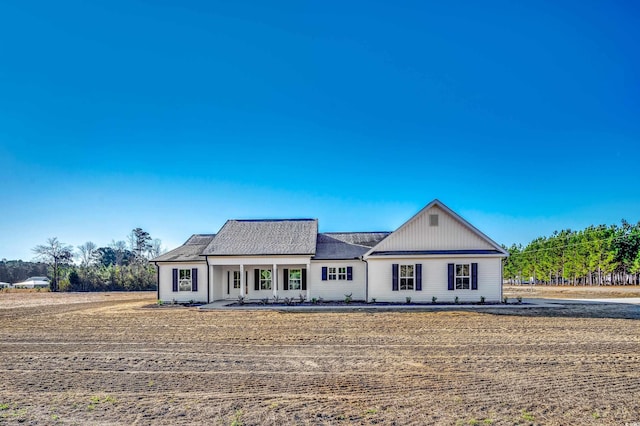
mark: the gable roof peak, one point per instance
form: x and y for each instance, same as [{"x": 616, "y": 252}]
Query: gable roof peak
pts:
[{"x": 437, "y": 203}]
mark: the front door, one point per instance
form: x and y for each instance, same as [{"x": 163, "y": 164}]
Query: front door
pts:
[{"x": 233, "y": 284}]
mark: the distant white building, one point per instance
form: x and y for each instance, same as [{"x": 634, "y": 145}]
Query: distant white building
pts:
[
  {"x": 4, "y": 285},
  {"x": 33, "y": 282},
  {"x": 435, "y": 254}
]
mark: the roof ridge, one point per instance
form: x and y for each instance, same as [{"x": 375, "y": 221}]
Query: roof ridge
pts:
[
  {"x": 357, "y": 232},
  {"x": 276, "y": 220}
]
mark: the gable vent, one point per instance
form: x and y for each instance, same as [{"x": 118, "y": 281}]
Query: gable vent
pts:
[{"x": 433, "y": 220}]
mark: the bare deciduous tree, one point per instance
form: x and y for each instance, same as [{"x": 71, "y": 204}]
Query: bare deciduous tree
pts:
[{"x": 54, "y": 253}]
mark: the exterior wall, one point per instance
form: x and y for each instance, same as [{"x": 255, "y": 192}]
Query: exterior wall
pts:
[
  {"x": 166, "y": 282},
  {"x": 215, "y": 275},
  {"x": 337, "y": 289},
  {"x": 435, "y": 280},
  {"x": 450, "y": 234}
]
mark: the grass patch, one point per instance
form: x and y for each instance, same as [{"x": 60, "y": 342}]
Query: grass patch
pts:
[{"x": 527, "y": 416}]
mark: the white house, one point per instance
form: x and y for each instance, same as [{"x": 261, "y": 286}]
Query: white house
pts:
[
  {"x": 33, "y": 282},
  {"x": 436, "y": 253}
]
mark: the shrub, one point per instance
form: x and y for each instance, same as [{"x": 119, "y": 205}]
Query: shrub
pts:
[
  {"x": 456, "y": 300},
  {"x": 505, "y": 300},
  {"x": 347, "y": 298},
  {"x": 288, "y": 301},
  {"x": 408, "y": 299},
  {"x": 265, "y": 301},
  {"x": 482, "y": 299},
  {"x": 302, "y": 298},
  {"x": 519, "y": 299},
  {"x": 276, "y": 299},
  {"x": 434, "y": 299},
  {"x": 241, "y": 300},
  {"x": 314, "y": 301},
  {"x": 159, "y": 302},
  {"x": 373, "y": 300}
]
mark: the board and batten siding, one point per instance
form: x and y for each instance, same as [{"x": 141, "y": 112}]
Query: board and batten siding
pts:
[
  {"x": 435, "y": 280},
  {"x": 166, "y": 282},
  {"x": 449, "y": 234},
  {"x": 337, "y": 289}
]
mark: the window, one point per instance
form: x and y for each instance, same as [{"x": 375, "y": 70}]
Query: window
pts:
[
  {"x": 332, "y": 273},
  {"x": 236, "y": 279},
  {"x": 463, "y": 278},
  {"x": 342, "y": 273},
  {"x": 295, "y": 279},
  {"x": 184, "y": 280},
  {"x": 406, "y": 277},
  {"x": 433, "y": 220},
  {"x": 265, "y": 279}
]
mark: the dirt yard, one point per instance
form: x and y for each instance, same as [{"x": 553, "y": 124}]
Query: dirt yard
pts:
[
  {"x": 571, "y": 292},
  {"x": 106, "y": 359}
]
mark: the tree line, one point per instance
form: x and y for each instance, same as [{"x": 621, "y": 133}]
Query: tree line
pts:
[
  {"x": 122, "y": 265},
  {"x": 596, "y": 255}
]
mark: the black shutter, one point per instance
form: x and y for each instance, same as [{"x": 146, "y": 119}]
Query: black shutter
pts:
[
  {"x": 474, "y": 276},
  {"x": 256, "y": 284},
  {"x": 175, "y": 279},
  {"x": 418, "y": 276},
  {"x": 450, "y": 273},
  {"x": 194, "y": 279},
  {"x": 394, "y": 277},
  {"x": 349, "y": 273},
  {"x": 324, "y": 273},
  {"x": 304, "y": 279},
  {"x": 228, "y": 282},
  {"x": 285, "y": 279}
]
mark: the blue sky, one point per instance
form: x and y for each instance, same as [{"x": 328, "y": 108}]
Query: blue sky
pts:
[{"x": 177, "y": 115}]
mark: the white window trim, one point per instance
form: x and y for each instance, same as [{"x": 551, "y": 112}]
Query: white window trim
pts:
[
  {"x": 464, "y": 286},
  {"x": 410, "y": 279},
  {"x": 186, "y": 281},
  {"x": 266, "y": 283},
  {"x": 332, "y": 273},
  {"x": 236, "y": 279},
  {"x": 342, "y": 273},
  {"x": 295, "y": 283}
]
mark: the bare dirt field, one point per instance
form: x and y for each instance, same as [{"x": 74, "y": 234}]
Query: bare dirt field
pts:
[
  {"x": 111, "y": 360},
  {"x": 571, "y": 292}
]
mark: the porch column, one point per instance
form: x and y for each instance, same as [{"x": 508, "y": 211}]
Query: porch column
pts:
[
  {"x": 241, "y": 280},
  {"x": 308, "y": 281},
  {"x": 274, "y": 279}
]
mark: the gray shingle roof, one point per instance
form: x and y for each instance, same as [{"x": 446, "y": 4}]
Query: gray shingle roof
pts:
[
  {"x": 265, "y": 237},
  {"x": 346, "y": 245},
  {"x": 189, "y": 251}
]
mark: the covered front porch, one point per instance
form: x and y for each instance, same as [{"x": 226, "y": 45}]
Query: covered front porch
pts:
[{"x": 258, "y": 278}]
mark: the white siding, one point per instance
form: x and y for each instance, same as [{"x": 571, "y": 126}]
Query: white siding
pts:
[
  {"x": 166, "y": 283},
  {"x": 217, "y": 275},
  {"x": 435, "y": 280},
  {"x": 337, "y": 289},
  {"x": 450, "y": 234}
]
